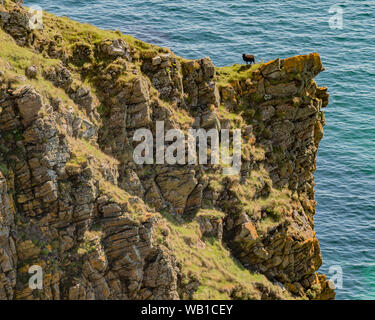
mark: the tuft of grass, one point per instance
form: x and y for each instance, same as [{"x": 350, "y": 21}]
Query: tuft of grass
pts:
[
  {"x": 15, "y": 59},
  {"x": 235, "y": 119},
  {"x": 20, "y": 58},
  {"x": 210, "y": 213},
  {"x": 208, "y": 261},
  {"x": 183, "y": 117},
  {"x": 91, "y": 242},
  {"x": 82, "y": 149},
  {"x": 236, "y": 72}
]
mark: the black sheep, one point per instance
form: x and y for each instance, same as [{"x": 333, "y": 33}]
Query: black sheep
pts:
[{"x": 248, "y": 58}]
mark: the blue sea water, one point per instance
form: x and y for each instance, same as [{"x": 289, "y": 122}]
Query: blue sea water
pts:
[{"x": 223, "y": 30}]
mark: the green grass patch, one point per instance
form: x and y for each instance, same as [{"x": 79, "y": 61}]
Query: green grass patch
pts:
[
  {"x": 208, "y": 260},
  {"x": 236, "y": 72}
]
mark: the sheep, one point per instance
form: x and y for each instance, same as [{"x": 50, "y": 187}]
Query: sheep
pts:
[{"x": 248, "y": 58}]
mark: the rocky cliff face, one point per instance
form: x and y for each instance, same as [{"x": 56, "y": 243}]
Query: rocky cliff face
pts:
[{"x": 73, "y": 201}]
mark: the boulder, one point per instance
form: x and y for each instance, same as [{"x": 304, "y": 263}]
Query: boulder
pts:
[
  {"x": 29, "y": 104},
  {"x": 31, "y": 72}
]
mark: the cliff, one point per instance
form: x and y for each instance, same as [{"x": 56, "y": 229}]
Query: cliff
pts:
[{"x": 73, "y": 201}]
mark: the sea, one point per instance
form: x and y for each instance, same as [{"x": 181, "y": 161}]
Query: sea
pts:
[{"x": 343, "y": 33}]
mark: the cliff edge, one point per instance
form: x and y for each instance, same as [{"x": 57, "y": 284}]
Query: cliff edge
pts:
[{"x": 74, "y": 202}]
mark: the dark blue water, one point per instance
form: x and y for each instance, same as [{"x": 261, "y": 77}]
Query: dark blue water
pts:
[{"x": 223, "y": 30}]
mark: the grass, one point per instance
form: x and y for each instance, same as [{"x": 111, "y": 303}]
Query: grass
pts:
[
  {"x": 91, "y": 242},
  {"x": 83, "y": 149},
  {"x": 116, "y": 194},
  {"x": 236, "y": 72},
  {"x": 73, "y": 32},
  {"x": 235, "y": 119},
  {"x": 257, "y": 198},
  {"x": 20, "y": 58},
  {"x": 183, "y": 118},
  {"x": 209, "y": 261},
  {"x": 210, "y": 213}
]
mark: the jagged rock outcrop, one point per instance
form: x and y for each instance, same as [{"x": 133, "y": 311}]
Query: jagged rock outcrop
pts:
[
  {"x": 74, "y": 202},
  {"x": 288, "y": 126}
]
